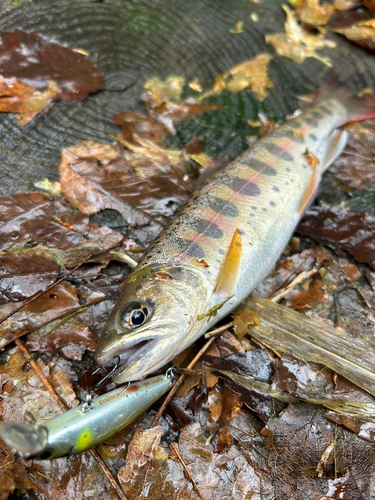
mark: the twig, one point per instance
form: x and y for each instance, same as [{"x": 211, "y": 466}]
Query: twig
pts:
[
  {"x": 179, "y": 381},
  {"x": 220, "y": 329},
  {"x": 41, "y": 375},
  {"x": 297, "y": 280},
  {"x": 175, "y": 448},
  {"x": 62, "y": 405}
]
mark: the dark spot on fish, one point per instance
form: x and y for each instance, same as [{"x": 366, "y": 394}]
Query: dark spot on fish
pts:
[
  {"x": 264, "y": 210},
  {"x": 313, "y": 137},
  {"x": 189, "y": 248},
  {"x": 205, "y": 227},
  {"x": 242, "y": 232},
  {"x": 316, "y": 114},
  {"x": 325, "y": 110},
  {"x": 219, "y": 205},
  {"x": 218, "y": 261},
  {"x": 150, "y": 302},
  {"x": 276, "y": 189},
  {"x": 277, "y": 152},
  {"x": 221, "y": 251},
  {"x": 287, "y": 169},
  {"x": 288, "y": 134},
  {"x": 261, "y": 167},
  {"x": 253, "y": 208},
  {"x": 294, "y": 124},
  {"x": 252, "y": 215},
  {"x": 311, "y": 121},
  {"x": 240, "y": 186},
  {"x": 273, "y": 204}
]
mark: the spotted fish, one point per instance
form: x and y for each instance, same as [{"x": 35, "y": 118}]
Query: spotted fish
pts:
[{"x": 226, "y": 239}]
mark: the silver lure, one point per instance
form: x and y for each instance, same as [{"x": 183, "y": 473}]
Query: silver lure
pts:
[{"x": 85, "y": 426}]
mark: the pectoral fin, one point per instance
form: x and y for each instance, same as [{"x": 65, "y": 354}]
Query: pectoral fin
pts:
[
  {"x": 313, "y": 162},
  {"x": 228, "y": 274}
]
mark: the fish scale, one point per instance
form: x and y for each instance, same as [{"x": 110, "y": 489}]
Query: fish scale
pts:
[{"x": 226, "y": 239}]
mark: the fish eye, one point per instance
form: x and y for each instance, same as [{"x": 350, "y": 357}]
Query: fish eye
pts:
[{"x": 135, "y": 314}]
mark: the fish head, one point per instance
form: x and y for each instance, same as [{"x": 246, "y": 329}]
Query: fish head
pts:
[{"x": 154, "y": 319}]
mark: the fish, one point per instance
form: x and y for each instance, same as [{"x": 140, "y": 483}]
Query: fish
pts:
[
  {"x": 227, "y": 237},
  {"x": 87, "y": 425}
]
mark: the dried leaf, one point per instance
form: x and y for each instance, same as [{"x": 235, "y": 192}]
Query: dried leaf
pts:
[
  {"x": 363, "y": 30},
  {"x": 242, "y": 319},
  {"x": 297, "y": 43},
  {"x": 165, "y": 90},
  {"x": 251, "y": 74},
  {"x": 313, "y": 12}
]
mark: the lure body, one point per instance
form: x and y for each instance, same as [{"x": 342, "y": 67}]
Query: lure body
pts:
[
  {"x": 225, "y": 241},
  {"x": 83, "y": 427}
]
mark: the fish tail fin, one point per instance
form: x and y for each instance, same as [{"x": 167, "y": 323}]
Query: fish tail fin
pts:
[{"x": 358, "y": 107}]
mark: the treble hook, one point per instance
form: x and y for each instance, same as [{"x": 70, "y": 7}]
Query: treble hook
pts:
[{"x": 88, "y": 403}]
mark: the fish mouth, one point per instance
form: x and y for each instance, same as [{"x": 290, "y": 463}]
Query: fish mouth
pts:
[{"x": 133, "y": 354}]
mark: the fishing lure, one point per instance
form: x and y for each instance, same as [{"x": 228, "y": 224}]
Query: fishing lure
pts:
[
  {"x": 88, "y": 424},
  {"x": 226, "y": 239}
]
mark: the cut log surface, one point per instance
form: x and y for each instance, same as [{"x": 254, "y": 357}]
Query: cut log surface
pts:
[{"x": 131, "y": 41}]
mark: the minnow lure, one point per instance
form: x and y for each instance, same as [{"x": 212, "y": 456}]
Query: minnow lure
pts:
[
  {"x": 226, "y": 239},
  {"x": 86, "y": 425}
]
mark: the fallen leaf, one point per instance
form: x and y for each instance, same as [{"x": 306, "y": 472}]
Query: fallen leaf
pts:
[
  {"x": 59, "y": 302},
  {"x": 342, "y": 229},
  {"x": 297, "y": 43},
  {"x": 23, "y": 100},
  {"x": 313, "y": 12},
  {"x": 242, "y": 319},
  {"x": 22, "y": 275},
  {"x": 35, "y": 71},
  {"x": 165, "y": 90},
  {"x": 363, "y": 30},
  {"x": 32, "y": 224},
  {"x": 251, "y": 74}
]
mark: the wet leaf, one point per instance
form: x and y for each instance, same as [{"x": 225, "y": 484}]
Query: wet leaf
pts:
[
  {"x": 232, "y": 404},
  {"x": 297, "y": 43},
  {"x": 354, "y": 169},
  {"x": 35, "y": 71},
  {"x": 32, "y": 224},
  {"x": 251, "y": 74},
  {"x": 149, "y": 473},
  {"x": 313, "y": 12},
  {"x": 23, "y": 100},
  {"x": 165, "y": 90},
  {"x": 294, "y": 466},
  {"x": 363, "y": 30},
  {"x": 22, "y": 275},
  {"x": 144, "y": 185},
  {"x": 59, "y": 302},
  {"x": 342, "y": 229}
]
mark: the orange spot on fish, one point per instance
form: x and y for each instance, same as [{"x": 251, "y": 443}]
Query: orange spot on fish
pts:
[{"x": 162, "y": 276}]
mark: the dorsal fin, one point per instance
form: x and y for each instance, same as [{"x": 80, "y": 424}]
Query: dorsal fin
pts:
[{"x": 228, "y": 274}]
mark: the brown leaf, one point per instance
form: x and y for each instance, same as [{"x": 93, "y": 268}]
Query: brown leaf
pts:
[
  {"x": 132, "y": 183},
  {"x": 242, "y": 319},
  {"x": 60, "y": 301},
  {"x": 341, "y": 229},
  {"x": 35, "y": 71},
  {"x": 34, "y": 225},
  {"x": 313, "y": 12},
  {"x": 22, "y": 275},
  {"x": 297, "y": 43},
  {"x": 354, "y": 169}
]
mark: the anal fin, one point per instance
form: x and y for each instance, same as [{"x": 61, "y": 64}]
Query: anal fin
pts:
[{"x": 228, "y": 274}]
